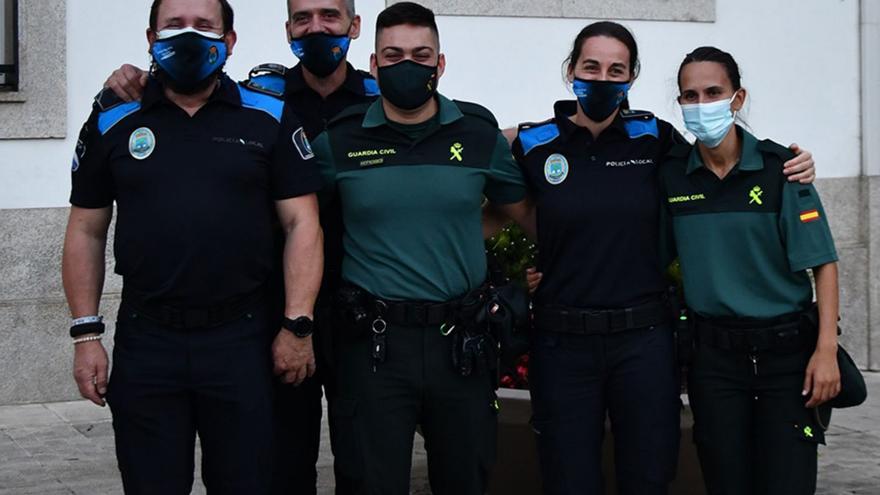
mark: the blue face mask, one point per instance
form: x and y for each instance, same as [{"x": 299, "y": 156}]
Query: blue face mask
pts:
[
  {"x": 321, "y": 53},
  {"x": 187, "y": 58},
  {"x": 709, "y": 122},
  {"x": 599, "y": 99}
]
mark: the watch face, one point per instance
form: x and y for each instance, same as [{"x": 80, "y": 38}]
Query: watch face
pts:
[{"x": 301, "y": 327}]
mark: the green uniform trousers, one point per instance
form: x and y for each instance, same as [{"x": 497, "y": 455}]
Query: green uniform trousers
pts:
[
  {"x": 376, "y": 414},
  {"x": 753, "y": 434}
]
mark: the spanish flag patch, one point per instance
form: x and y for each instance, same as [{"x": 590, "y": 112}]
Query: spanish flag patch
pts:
[{"x": 810, "y": 216}]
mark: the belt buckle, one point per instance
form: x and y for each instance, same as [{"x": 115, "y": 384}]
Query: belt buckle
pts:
[
  {"x": 420, "y": 314},
  {"x": 595, "y": 314}
]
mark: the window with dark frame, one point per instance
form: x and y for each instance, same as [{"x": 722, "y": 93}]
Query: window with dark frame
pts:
[{"x": 8, "y": 45}]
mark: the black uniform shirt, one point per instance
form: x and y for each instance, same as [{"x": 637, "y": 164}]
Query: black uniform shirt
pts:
[
  {"x": 315, "y": 112},
  {"x": 195, "y": 195},
  {"x": 597, "y": 207}
]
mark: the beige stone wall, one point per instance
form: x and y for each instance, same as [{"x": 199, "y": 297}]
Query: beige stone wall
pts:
[
  {"x": 653, "y": 10},
  {"x": 39, "y": 108}
]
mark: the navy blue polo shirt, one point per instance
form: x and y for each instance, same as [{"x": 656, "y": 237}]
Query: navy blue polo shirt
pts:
[
  {"x": 597, "y": 207},
  {"x": 194, "y": 195},
  {"x": 316, "y": 112}
]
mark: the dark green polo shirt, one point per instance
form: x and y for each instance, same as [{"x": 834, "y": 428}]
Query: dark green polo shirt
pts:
[
  {"x": 744, "y": 242},
  {"x": 411, "y": 197}
]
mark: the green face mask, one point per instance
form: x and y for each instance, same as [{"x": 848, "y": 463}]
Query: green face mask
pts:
[{"x": 408, "y": 85}]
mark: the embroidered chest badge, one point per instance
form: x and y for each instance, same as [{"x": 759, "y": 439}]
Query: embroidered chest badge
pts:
[
  {"x": 755, "y": 195},
  {"x": 556, "y": 169},
  {"x": 141, "y": 143}
]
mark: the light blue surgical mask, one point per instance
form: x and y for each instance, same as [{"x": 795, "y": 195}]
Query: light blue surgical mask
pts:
[{"x": 709, "y": 122}]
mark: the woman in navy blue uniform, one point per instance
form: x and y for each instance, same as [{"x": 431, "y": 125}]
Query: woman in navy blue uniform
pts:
[{"x": 603, "y": 344}]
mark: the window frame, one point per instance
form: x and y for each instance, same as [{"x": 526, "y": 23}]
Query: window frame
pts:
[{"x": 12, "y": 71}]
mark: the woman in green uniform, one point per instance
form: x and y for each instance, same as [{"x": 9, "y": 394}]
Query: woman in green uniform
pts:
[{"x": 746, "y": 238}]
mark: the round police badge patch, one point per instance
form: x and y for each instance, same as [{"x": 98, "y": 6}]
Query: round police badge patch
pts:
[
  {"x": 556, "y": 169},
  {"x": 141, "y": 143}
]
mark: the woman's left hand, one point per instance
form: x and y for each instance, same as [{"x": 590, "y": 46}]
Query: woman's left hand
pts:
[
  {"x": 822, "y": 377},
  {"x": 801, "y": 168}
]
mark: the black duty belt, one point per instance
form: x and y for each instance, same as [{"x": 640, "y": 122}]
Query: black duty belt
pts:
[
  {"x": 189, "y": 318},
  {"x": 754, "y": 335},
  {"x": 424, "y": 313},
  {"x": 601, "y": 321}
]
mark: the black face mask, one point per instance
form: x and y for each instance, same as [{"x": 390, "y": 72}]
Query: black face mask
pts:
[
  {"x": 408, "y": 85},
  {"x": 599, "y": 99},
  {"x": 187, "y": 60},
  {"x": 321, "y": 53}
]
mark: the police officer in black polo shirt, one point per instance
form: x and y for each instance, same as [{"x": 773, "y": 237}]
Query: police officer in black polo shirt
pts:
[
  {"x": 198, "y": 170},
  {"x": 318, "y": 88}
]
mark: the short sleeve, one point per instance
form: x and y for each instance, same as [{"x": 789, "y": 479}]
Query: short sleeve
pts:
[
  {"x": 804, "y": 228},
  {"x": 326, "y": 167},
  {"x": 506, "y": 183},
  {"x": 294, "y": 172},
  {"x": 668, "y": 250},
  {"x": 91, "y": 177}
]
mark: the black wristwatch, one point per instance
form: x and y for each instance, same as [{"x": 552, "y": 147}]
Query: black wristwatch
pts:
[{"x": 302, "y": 327}]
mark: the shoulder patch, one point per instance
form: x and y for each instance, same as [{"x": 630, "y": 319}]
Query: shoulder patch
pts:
[
  {"x": 774, "y": 148},
  {"x": 262, "y": 102},
  {"x": 106, "y": 99},
  {"x": 533, "y": 135},
  {"x": 640, "y": 123},
  {"x": 115, "y": 114},
  {"x": 636, "y": 114},
  {"x": 475, "y": 110},
  {"x": 267, "y": 79},
  {"x": 371, "y": 87}
]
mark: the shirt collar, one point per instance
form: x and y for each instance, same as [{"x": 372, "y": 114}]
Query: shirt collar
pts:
[
  {"x": 227, "y": 92},
  {"x": 354, "y": 80},
  {"x": 750, "y": 160},
  {"x": 448, "y": 112}
]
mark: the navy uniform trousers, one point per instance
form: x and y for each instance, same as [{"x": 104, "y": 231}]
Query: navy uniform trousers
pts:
[
  {"x": 168, "y": 385},
  {"x": 576, "y": 380}
]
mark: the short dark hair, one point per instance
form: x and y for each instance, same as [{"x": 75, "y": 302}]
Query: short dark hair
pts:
[
  {"x": 226, "y": 9},
  {"x": 349, "y": 8},
  {"x": 712, "y": 54},
  {"x": 408, "y": 13}
]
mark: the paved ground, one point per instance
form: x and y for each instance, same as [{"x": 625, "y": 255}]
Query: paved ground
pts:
[{"x": 67, "y": 448}]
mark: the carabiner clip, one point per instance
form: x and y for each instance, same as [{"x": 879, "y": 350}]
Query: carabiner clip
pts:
[{"x": 446, "y": 329}]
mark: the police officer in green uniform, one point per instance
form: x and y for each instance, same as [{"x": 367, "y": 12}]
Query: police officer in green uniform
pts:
[
  {"x": 411, "y": 171},
  {"x": 745, "y": 238}
]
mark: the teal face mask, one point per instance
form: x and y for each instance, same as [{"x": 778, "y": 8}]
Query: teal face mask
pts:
[{"x": 709, "y": 122}]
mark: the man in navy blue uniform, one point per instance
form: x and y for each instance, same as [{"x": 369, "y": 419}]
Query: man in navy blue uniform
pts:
[
  {"x": 318, "y": 88},
  {"x": 199, "y": 171}
]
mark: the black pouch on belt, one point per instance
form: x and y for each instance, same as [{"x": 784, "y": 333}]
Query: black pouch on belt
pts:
[
  {"x": 473, "y": 348},
  {"x": 507, "y": 310},
  {"x": 853, "y": 390},
  {"x": 352, "y": 312}
]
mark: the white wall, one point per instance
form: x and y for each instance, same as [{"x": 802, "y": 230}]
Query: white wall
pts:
[{"x": 800, "y": 60}]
